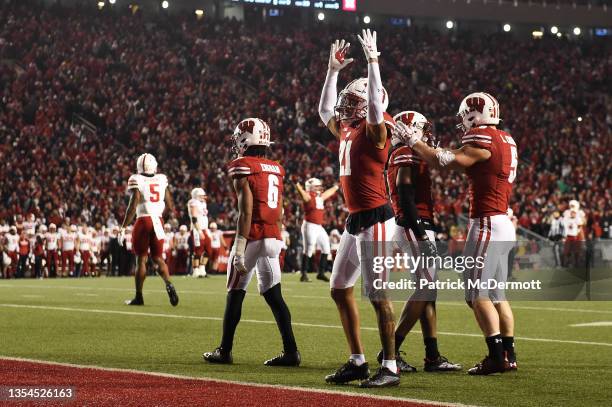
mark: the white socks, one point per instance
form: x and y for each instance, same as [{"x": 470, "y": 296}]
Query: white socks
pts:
[
  {"x": 358, "y": 359},
  {"x": 390, "y": 364}
]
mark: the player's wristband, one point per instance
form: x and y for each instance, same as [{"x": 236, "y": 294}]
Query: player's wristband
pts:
[{"x": 240, "y": 245}]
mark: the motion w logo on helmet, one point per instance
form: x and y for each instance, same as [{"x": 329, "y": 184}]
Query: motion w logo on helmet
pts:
[{"x": 476, "y": 104}]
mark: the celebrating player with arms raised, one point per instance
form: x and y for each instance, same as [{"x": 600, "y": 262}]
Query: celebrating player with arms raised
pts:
[
  {"x": 313, "y": 233},
  {"x": 409, "y": 181},
  {"x": 258, "y": 183},
  {"x": 489, "y": 158},
  {"x": 360, "y": 122},
  {"x": 148, "y": 199}
]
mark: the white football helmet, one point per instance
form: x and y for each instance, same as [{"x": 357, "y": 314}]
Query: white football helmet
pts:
[
  {"x": 167, "y": 228},
  {"x": 353, "y": 101},
  {"x": 52, "y": 227},
  {"x": 574, "y": 205},
  {"x": 42, "y": 229},
  {"x": 417, "y": 123},
  {"x": 183, "y": 228},
  {"x": 73, "y": 228},
  {"x": 313, "y": 184},
  {"x": 212, "y": 226},
  {"x": 146, "y": 164},
  {"x": 198, "y": 193},
  {"x": 478, "y": 109},
  {"x": 250, "y": 132}
]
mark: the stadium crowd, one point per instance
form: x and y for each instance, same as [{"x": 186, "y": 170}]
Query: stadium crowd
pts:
[{"x": 80, "y": 101}]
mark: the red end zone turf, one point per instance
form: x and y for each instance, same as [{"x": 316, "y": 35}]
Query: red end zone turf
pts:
[{"x": 97, "y": 386}]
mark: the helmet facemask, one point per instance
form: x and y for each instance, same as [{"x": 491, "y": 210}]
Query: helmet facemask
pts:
[{"x": 350, "y": 107}]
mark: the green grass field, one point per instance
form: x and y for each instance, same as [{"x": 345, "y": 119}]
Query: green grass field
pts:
[{"x": 84, "y": 321}]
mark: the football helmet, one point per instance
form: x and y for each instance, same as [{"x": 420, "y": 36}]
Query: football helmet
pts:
[
  {"x": 146, "y": 164},
  {"x": 183, "y": 228},
  {"x": 212, "y": 226},
  {"x": 52, "y": 227},
  {"x": 73, "y": 228},
  {"x": 313, "y": 184},
  {"x": 574, "y": 205},
  {"x": 417, "y": 123},
  {"x": 198, "y": 193},
  {"x": 167, "y": 228},
  {"x": 353, "y": 101},
  {"x": 250, "y": 132},
  {"x": 42, "y": 229},
  {"x": 478, "y": 109}
]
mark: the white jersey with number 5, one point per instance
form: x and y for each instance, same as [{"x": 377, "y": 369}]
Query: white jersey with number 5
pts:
[
  {"x": 197, "y": 209},
  {"x": 153, "y": 190}
]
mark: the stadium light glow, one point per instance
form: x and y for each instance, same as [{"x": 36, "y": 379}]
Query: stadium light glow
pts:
[
  {"x": 112, "y": 1},
  {"x": 577, "y": 30},
  {"x": 507, "y": 27},
  {"x": 321, "y": 16},
  {"x": 100, "y": 5},
  {"x": 367, "y": 19},
  {"x": 537, "y": 34},
  {"x": 450, "y": 24},
  {"x": 165, "y": 4},
  {"x": 559, "y": 35},
  {"x": 554, "y": 30},
  {"x": 199, "y": 12},
  {"x": 579, "y": 118}
]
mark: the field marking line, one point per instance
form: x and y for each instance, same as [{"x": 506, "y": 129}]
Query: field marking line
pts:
[
  {"x": 236, "y": 382},
  {"x": 258, "y": 321},
  {"x": 32, "y": 296},
  {"x": 600, "y": 323},
  {"x": 317, "y": 297}
]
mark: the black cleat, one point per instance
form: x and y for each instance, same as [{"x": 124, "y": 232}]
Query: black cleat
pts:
[
  {"x": 285, "y": 359},
  {"x": 511, "y": 365},
  {"x": 382, "y": 378},
  {"x": 489, "y": 366},
  {"x": 348, "y": 372},
  {"x": 441, "y": 364},
  {"x": 304, "y": 279},
  {"x": 172, "y": 294},
  {"x": 218, "y": 356},
  {"x": 402, "y": 365},
  {"x": 322, "y": 277},
  {"x": 135, "y": 301}
]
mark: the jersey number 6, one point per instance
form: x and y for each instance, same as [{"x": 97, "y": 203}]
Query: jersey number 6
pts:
[{"x": 273, "y": 191}]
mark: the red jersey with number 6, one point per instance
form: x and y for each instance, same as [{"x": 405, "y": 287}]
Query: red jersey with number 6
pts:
[
  {"x": 265, "y": 178},
  {"x": 491, "y": 180},
  {"x": 362, "y": 167},
  {"x": 405, "y": 157},
  {"x": 314, "y": 209}
]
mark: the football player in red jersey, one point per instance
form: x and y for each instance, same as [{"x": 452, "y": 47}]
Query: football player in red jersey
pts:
[
  {"x": 409, "y": 181},
  {"x": 358, "y": 119},
  {"x": 489, "y": 158},
  {"x": 313, "y": 232},
  {"x": 258, "y": 183}
]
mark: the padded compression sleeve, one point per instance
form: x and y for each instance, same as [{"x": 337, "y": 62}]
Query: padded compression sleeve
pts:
[
  {"x": 411, "y": 216},
  {"x": 375, "y": 95},
  {"x": 328, "y": 97}
]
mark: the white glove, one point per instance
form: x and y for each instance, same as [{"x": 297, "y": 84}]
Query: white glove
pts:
[
  {"x": 239, "y": 264},
  {"x": 337, "y": 56},
  {"x": 406, "y": 134},
  {"x": 368, "y": 42}
]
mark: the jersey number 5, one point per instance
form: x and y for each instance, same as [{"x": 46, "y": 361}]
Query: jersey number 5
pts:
[
  {"x": 154, "y": 192},
  {"x": 513, "y": 164},
  {"x": 273, "y": 184},
  {"x": 345, "y": 158}
]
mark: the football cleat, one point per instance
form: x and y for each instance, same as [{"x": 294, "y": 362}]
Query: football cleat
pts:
[
  {"x": 322, "y": 277},
  {"x": 174, "y": 300},
  {"x": 441, "y": 364},
  {"x": 285, "y": 359},
  {"x": 135, "y": 301},
  {"x": 402, "y": 365},
  {"x": 349, "y": 372},
  {"x": 511, "y": 364},
  {"x": 488, "y": 366},
  {"x": 382, "y": 378},
  {"x": 304, "y": 279},
  {"x": 218, "y": 356}
]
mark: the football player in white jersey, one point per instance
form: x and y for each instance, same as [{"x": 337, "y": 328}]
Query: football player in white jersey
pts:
[
  {"x": 51, "y": 248},
  {"x": 149, "y": 195},
  {"x": 198, "y": 214}
]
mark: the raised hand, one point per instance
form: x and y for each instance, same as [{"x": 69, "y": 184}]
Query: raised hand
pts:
[
  {"x": 368, "y": 42},
  {"x": 337, "y": 56}
]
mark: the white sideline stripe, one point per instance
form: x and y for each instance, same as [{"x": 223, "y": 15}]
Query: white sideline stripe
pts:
[
  {"x": 235, "y": 382},
  {"x": 600, "y": 323},
  {"x": 258, "y": 321},
  {"x": 223, "y": 292}
]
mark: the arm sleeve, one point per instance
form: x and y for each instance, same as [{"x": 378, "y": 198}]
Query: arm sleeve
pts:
[
  {"x": 239, "y": 168},
  {"x": 132, "y": 182},
  {"x": 477, "y": 140},
  {"x": 375, "y": 95},
  {"x": 411, "y": 218},
  {"x": 328, "y": 97}
]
